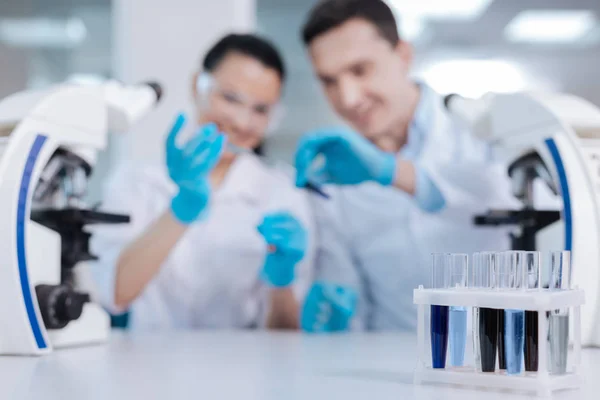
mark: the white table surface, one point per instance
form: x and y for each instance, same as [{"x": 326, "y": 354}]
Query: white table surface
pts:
[{"x": 242, "y": 365}]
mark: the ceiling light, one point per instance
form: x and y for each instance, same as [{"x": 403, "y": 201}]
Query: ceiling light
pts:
[
  {"x": 42, "y": 32},
  {"x": 440, "y": 9},
  {"x": 550, "y": 26},
  {"x": 474, "y": 78}
]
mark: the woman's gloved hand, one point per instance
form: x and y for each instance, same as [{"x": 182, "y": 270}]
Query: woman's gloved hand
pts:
[
  {"x": 350, "y": 159},
  {"x": 328, "y": 308},
  {"x": 189, "y": 167},
  {"x": 287, "y": 240}
]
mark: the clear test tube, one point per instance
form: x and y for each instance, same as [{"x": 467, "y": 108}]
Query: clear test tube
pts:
[
  {"x": 531, "y": 271},
  {"x": 439, "y": 314},
  {"x": 560, "y": 279},
  {"x": 485, "y": 320},
  {"x": 512, "y": 278},
  {"x": 503, "y": 261},
  {"x": 457, "y": 266},
  {"x": 474, "y": 283}
]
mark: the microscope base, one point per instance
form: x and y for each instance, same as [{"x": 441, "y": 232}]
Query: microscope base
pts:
[{"x": 93, "y": 327}]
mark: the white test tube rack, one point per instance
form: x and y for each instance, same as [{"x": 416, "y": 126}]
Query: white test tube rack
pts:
[{"x": 541, "y": 382}]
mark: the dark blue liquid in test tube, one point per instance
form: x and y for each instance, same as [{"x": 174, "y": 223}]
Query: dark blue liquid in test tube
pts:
[
  {"x": 485, "y": 320},
  {"x": 531, "y": 265},
  {"x": 439, "y": 314},
  {"x": 439, "y": 335}
]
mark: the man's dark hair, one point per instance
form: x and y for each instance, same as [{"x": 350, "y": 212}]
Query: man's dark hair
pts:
[
  {"x": 247, "y": 44},
  {"x": 330, "y": 14}
]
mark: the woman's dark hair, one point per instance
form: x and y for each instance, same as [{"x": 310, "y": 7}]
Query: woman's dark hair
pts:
[{"x": 250, "y": 45}]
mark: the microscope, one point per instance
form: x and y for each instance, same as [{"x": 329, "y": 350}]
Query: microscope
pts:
[
  {"x": 550, "y": 142},
  {"x": 49, "y": 140}
]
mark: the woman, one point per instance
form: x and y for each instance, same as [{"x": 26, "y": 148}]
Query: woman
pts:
[{"x": 217, "y": 238}]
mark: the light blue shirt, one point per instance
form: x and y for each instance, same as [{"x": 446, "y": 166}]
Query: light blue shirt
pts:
[
  {"x": 379, "y": 239},
  {"x": 427, "y": 194}
]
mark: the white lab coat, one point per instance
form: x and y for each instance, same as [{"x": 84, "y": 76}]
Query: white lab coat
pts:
[
  {"x": 379, "y": 240},
  {"x": 211, "y": 278}
]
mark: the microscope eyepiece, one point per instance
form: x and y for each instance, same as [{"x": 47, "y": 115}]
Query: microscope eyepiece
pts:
[
  {"x": 448, "y": 98},
  {"x": 157, "y": 89}
]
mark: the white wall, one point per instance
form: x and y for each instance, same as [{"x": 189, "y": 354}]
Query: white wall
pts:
[
  {"x": 164, "y": 40},
  {"x": 14, "y": 70}
]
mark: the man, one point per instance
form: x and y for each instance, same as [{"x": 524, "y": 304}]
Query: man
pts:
[{"x": 408, "y": 183}]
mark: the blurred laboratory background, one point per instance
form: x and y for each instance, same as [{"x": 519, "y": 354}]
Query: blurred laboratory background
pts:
[{"x": 464, "y": 46}]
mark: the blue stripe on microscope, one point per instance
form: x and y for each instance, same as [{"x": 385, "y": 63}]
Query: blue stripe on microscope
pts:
[
  {"x": 564, "y": 185},
  {"x": 22, "y": 218}
]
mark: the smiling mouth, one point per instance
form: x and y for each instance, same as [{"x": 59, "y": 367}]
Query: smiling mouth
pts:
[{"x": 364, "y": 117}]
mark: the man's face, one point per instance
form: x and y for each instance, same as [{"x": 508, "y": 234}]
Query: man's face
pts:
[
  {"x": 363, "y": 76},
  {"x": 241, "y": 100}
]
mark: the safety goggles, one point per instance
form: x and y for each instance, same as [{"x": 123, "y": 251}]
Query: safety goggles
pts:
[{"x": 216, "y": 100}]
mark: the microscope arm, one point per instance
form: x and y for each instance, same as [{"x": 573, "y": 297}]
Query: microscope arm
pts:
[{"x": 127, "y": 104}]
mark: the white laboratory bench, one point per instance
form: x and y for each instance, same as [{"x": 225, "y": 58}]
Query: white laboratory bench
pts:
[{"x": 240, "y": 366}]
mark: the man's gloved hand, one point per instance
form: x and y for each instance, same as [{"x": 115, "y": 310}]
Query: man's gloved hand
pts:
[
  {"x": 349, "y": 159},
  {"x": 328, "y": 308},
  {"x": 287, "y": 240},
  {"x": 189, "y": 167}
]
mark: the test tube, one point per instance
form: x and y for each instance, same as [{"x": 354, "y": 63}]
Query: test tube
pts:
[
  {"x": 439, "y": 314},
  {"x": 485, "y": 320},
  {"x": 511, "y": 277},
  {"x": 457, "y": 266},
  {"x": 560, "y": 279},
  {"x": 474, "y": 283},
  {"x": 311, "y": 186},
  {"x": 531, "y": 269},
  {"x": 502, "y": 273},
  {"x": 501, "y": 347}
]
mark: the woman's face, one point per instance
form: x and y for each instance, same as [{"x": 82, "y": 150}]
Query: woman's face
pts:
[{"x": 242, "y": 100}]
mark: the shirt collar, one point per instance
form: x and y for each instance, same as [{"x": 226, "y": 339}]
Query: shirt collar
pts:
[
  {"x": 421, "y": 123},
  {"x": 245, "y": 179}
]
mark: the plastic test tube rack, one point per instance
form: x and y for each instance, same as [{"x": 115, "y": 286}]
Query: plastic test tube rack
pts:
[{"x": 540, "y": 382}]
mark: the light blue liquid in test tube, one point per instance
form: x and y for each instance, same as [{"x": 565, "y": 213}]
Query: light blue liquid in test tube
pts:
[
  {"x": 511, "y": 277},
  {"x": 514, "y": 340},
  {"x": 458, "y": 264}
]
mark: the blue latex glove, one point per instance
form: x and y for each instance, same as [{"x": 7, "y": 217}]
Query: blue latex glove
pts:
[
  {"x": 350, "y": 159},
  {"x": 328, "y": 308},
  {"x": 189, "y": 167},
  {"x": 287, "y": 240}
]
